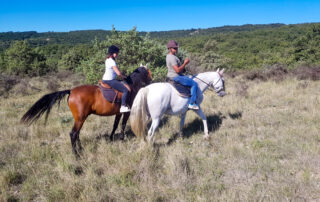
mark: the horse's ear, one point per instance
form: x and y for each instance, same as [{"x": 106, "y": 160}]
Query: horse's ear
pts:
[
  {"x": 221, "y": 72},
  {"x": 147, "y": 66},
  {"x": 218, "y": 70},
  {"x": 141, "y": 65}
]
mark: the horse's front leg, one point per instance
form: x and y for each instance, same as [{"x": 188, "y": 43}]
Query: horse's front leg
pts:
[
  {"x": 124, "y": 123},
  {"x": 115, "y": 126},
  {"x": 204, "y": 120},
  {"x": 182, "y": 119}
]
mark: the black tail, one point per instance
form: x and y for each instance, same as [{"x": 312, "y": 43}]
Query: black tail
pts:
[{"x": 42, "y": 105}]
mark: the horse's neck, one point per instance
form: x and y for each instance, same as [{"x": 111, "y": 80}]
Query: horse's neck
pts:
[
  {"x": 135, "y": 84},
  {"x": 204, "y": 79}
]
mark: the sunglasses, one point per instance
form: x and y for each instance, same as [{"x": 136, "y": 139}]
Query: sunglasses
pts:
[{"x": 175, "y": 48}]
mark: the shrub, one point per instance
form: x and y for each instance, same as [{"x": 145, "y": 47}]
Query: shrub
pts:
[
  {"x": 21, "y": 60},
  {"x": 134, "y": 49},
  {"x": 307, "y": 73}
]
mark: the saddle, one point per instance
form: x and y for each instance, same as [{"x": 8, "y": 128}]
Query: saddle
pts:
[
  {"x": 110, "y": 94},
  {"x": 183, "y": 91}
]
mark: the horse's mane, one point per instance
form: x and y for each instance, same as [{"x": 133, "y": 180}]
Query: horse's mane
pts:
[{"x": 138, "y": 77}]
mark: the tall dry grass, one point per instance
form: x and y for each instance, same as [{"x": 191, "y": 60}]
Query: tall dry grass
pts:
[{"x": 264, "y": 145}]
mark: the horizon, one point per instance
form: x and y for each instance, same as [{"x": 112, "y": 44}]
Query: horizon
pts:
[
  {"x": 151, "y": 16},
  {"x": 162, "y": 30}
]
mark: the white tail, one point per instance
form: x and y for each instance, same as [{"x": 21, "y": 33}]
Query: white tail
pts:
[{"x": 139, "y": 113}]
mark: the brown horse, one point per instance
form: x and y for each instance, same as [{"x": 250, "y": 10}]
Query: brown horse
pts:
[{"x": 88, "y": 99}]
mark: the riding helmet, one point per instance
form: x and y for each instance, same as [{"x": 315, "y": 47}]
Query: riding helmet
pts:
[{"x": 113, "y": 49}]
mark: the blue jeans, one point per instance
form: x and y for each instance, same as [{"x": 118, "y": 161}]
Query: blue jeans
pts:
[
  {"x": 120, "y": 87},
  {"x": 186, "y": 81}
]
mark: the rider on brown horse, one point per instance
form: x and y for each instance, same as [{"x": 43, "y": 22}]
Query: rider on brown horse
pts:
[{"x": 110, "y": 74}]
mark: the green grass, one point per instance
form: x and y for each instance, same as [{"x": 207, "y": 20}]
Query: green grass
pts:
[{"x": 264, "y": 145}]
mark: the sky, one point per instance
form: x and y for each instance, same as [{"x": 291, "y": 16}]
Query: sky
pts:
[{"x": 148, "y": 15}]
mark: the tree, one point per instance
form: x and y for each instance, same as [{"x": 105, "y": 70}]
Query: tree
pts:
[
  {"x": 134, "y": 49},
  {"x": 21, "y": 59},
  {"x": 70, "y": 60}
]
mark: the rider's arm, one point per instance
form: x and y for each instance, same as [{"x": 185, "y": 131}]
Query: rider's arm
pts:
[
  {"x": 115, "y": 68},
  {"x": 181, "y": 68}
]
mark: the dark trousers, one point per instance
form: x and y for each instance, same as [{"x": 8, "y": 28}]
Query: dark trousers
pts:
[{"x": 120, "y": 87}]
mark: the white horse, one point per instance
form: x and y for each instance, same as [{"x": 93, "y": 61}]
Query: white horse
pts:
[{"x": 158, "y": 99}]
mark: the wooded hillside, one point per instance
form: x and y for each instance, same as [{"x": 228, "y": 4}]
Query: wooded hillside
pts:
[{"x": 230, "y": 47}]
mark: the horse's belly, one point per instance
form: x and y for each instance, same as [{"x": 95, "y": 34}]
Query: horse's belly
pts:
[
  {"x": 104, "y": 108},
  {"x": 177, "y": 109}
]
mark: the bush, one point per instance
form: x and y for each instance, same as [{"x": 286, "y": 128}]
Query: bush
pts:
[
  {"x": 307, "y": 73},
  {"x": 134, "y": 49},
  {"x": 20, "y": 59},
  {"x": 72, "y": 59}
]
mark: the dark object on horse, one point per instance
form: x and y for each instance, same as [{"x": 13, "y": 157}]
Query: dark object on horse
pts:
[
  {"x": 110, "y": 94},
  {"x": 85, "y": 100},
  {"x": 184, "y": 91}
]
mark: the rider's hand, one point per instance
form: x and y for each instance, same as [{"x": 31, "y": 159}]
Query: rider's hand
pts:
[{"x": 186, "y": 61}]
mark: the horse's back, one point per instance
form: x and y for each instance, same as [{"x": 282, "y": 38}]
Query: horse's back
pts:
[
  {"x": 164, "y": 99},
  {"x": 160, "y": 91}
]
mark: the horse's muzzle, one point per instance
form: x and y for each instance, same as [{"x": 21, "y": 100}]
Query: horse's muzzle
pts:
[{"x": 221, "y": 93}]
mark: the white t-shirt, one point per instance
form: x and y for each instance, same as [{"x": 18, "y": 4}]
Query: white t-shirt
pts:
[{"x": 109, "y": 73}]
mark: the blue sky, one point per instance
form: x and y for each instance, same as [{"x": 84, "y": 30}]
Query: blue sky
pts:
[{"x": 61, "y": 16}]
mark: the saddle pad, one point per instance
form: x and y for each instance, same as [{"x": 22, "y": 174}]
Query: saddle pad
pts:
[
  {"x": 183, "y": 91},
  {"x": 110, "y": 94}
]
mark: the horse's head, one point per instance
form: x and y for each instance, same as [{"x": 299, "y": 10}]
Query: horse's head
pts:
[
  {"x": 218, "y": 83},
  {"x": 140, "y": 77}
]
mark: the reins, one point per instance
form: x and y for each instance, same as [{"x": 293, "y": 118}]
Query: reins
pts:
[{"x": 208, "y": 84}]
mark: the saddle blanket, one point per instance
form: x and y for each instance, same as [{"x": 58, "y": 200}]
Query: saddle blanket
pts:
[
  {"x": 183, "y": 91},
  {"x": 110, "y": 94}
]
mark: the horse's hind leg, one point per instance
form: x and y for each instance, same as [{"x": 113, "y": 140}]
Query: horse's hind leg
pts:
[
  {"x": 115, "y": 126},
  {"x": 154, "y": 126},
  {"x": 74, "y": 136}
]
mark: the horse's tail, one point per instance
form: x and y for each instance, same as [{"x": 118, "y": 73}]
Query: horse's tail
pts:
[
  {"x": 139, "y": 113},
  {"x": 44, "y": 104}
]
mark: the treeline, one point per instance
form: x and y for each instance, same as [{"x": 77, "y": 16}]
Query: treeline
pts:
[
  {"x": 86, "y": 36},
  {"x": 231, "y": 47},
  {"x": 290, "y": 45},
  {"x": 47, "y": 38}
]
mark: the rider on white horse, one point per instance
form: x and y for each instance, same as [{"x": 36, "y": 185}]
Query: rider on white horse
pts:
[{"x": 176, "y": 70}]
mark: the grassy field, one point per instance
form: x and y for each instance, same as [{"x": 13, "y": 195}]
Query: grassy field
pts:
[{"x": 264, "y": 146}]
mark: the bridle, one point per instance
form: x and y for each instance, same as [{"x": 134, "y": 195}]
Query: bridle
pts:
[{"x": 209, "y": 84}]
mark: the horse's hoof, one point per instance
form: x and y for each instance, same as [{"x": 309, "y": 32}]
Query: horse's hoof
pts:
[
  {"x": 206, "y": 137},
  {"x": 122, "y": 136}
]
